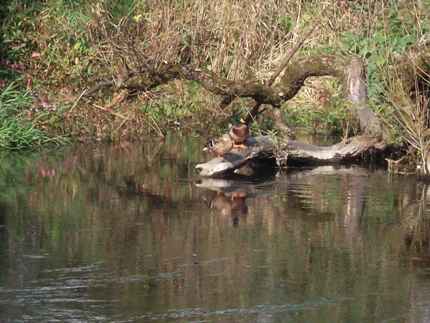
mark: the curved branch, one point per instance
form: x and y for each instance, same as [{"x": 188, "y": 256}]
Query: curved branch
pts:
[
  {"x": 296, "y": 74},
  {"x": 289, "y": 84}
]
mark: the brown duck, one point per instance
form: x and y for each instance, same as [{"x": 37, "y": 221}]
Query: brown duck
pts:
[
  {"x": 220, "y": 146},
  {"x": 239, "y": 134}
]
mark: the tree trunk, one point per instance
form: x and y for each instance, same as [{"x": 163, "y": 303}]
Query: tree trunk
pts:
[{"x": 355, "y": 77}]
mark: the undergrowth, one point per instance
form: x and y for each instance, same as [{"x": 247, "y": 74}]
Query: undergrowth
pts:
[
  {"x": 379, "y": 33},
  {"x": 16, "y": 132},
  {"x": 77, "y": 42}
]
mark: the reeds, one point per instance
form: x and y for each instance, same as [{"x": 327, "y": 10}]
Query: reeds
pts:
[
  {"x": 233, "y": 38},
  {"x": 410, "y": 114}
]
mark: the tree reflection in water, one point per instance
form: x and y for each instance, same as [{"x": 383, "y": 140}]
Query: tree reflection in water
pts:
[{"x": 128, "y": 232}]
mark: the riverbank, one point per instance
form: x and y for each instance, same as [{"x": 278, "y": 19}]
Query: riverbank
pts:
[{"x": 55, "y": 52}]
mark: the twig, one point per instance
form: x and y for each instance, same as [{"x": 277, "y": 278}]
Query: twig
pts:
[
  {"x": 155, "y": 126},
  {"x": 255, "y": 109},
  {"x": 290, "y": 55},
  {"x": 121, "y": 124},
  {"x": 253, "y": 113},
  {"x": 111, "y": 112},
  {"x": 77, "y": 101}
]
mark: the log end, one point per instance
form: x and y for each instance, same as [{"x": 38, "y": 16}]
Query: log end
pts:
[{"x": 258, "y": 149}]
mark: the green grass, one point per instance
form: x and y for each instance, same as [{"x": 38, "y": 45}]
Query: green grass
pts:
[
  {"x": 389, "y": 38},
  {"x": 329, "y": 121},
  {"x": 17, "y": 133}
]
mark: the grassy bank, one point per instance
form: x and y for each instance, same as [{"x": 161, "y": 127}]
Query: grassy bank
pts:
[
  {"x": 59, "y": 48},
  {"x": 17, "y": 130}
]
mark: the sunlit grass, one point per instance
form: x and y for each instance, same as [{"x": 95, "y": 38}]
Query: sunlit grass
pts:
[{"x": 16, "y": 132}]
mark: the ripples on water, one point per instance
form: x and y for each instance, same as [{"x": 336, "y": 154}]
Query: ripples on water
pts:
[{"x": 128, "y": 233}]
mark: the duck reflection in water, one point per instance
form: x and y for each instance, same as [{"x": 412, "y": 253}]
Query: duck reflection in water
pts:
[{"x": 231, "y": 205}]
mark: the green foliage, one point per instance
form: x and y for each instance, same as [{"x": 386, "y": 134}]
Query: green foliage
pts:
[
  {"x": 286, "y": 23},
  {"x": 59, "y": 36},
  {"x": 168, "y": 112},
  {"x": 17, "y": 133},
  {"x": 122, "y": 8},
  {"x": 393, "y": 34},
  {"x": 172, "y": 108},
  {"x": 18, "y": 26},
  {"x": 331, "y": 118}
]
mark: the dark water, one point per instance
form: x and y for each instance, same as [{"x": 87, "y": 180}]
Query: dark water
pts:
[{"x": 126, "y": 233}]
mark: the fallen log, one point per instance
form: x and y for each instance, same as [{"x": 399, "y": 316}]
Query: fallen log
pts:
[
  {"x": 353, "y": 149},
  {"x": 260, "y": 156}
]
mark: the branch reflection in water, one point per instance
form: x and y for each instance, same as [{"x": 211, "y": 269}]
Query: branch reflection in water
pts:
[{"x": 128, "y": 233}]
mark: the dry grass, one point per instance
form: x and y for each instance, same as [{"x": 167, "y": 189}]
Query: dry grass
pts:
[
  {"x": 80, "y": 44},
  {"x": 232, "y": 38},
  {"x": 411, "y": 116},
  {"x": 237, "y": 39}
]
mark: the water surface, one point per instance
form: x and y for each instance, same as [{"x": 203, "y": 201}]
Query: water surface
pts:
[{"x": 128, "y": 233}]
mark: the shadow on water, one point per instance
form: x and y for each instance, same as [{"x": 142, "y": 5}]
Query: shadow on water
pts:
[{"x": 128, "y": 233}]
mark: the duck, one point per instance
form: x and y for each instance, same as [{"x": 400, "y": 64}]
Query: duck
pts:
[
  {"x": 220, "y": 146},
  {"x": 239, "y": 133}
]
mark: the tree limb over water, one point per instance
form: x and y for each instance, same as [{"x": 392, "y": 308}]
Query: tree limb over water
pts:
[
  {"x": 290, "y": 82},
  {"x": 350, "y": 71}
]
